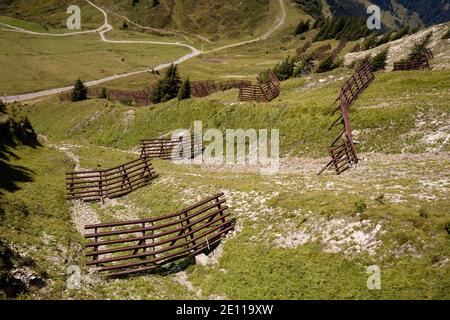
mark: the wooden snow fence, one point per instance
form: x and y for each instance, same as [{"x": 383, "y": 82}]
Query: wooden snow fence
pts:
[
  {"x": 264, "y": 92},
  {"x": 138, "y": 97},
  {"x": 201, "y": 89},
  {"x": 420, "y": 63},
  {"x": 164, "y": 148},
  {"x": 140, "y": 246},
  {"x": 303, "y": 49},
  {"x": 343, "y": 154},
  {"x": 112, "y": 183}
]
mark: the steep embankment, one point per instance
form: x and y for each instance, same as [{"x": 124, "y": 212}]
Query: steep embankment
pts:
[
  {"x": 37, "y": 239},
  {"x": 385, "y": 117}
]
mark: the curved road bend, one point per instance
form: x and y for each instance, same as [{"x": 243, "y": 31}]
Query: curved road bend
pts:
[{"x": 105, "y": 28}]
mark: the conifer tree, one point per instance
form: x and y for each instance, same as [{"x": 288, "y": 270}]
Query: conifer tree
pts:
[
  {"x": 168, "y": 87},
  {"x": 185, "y": 90},
  {"x": 79, "y": 92}
]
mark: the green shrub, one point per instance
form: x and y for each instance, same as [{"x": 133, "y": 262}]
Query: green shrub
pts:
[
  {"x": 423, "y": 213},
  {"x": 400, "y": 34},
  {"x": 16, "y": 128},
  {"x": 312, "y": 7},
  {"x": 385, "y": 38},
  {"x": 168, "y": 87},
  {"x": 420, "y": 47},
  {"x": 415, "y": 30},
  {"x": 378, "y": 62},
  {"x": 360, "y": 206},
  {"x": 326, "y": 65},
  {"x": 79, "y": 92},
  {"x": 304, "y": 67},
  {"x": 285, "y": 69},
  {"x": 103, "y": 94},
  {"x": 370, "y": 42},
  {"x": 380, "y": 199},
  {"x": 126, "y": 101},
  {"x": 342, "y": 27},
  {"x": 185, "y": 90},
  {"x": 447, "y": 228}
]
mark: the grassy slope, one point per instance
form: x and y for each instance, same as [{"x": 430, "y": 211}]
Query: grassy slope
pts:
[
  {"x": 37, "y": 222},
  {"x": 252, "y": 266},
  {"x": 221, "y": 20},
  {"x": 385, "y": 115},
  {"x": 51, "y": 15},
  {"x": 35, "y": 63},
  {"x": 256, "y": 269},
  {"x": 52, "y": 62}
]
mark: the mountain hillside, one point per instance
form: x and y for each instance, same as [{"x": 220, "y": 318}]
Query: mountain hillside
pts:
[
  {"x": 400, "y": 48},
  {"x": 212, "y": 19},
  {"x": 50, "y": 14},
  {"x": 395, "y": 13},
  {"x": 209, "y": 18}
]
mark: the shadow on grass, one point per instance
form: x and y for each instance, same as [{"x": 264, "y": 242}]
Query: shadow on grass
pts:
[{"x": 11, "y": 175}]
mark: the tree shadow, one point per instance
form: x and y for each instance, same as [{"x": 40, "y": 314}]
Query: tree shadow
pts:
[{"x": 12, "y": 175}]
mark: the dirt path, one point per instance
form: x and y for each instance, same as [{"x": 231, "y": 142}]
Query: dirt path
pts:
[
  {"x": 280, "y": 20},
  {"x": 105, "y": 28},
  {"x": 81, "y": 212}
]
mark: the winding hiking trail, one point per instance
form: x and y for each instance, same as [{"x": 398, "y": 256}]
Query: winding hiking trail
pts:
[{"x": 105, "y": 28}]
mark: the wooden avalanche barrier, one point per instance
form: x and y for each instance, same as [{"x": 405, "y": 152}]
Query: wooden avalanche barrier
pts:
[
  {"x": 322, "y": 56},
  {"x": 264, "y": 92},
  {"x": 421, "y": 63},
  {"x": 139, "y": 97},
  {"x": 343, "y": 154},
  {"x": 111, "y": 183},
  {"x": 163, "y": 148},
  {"x": 340, "y": 47},
  {"x": 132, "y": 247},
  {"x": 322, "y": 49},
  {"x": 358, "y": 82},
  {"x": 304, "y": 48},
  {"x": 321, "y": 53},
  {"x": 201, "y": 89}
]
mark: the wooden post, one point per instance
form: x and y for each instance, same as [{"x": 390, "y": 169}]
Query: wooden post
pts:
[
  {"x": 95, "y": 257},
  {"x": 219, "y": 206},
  {"x": 72, "y": 185},
  {"x": 189, "y": 228}
]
